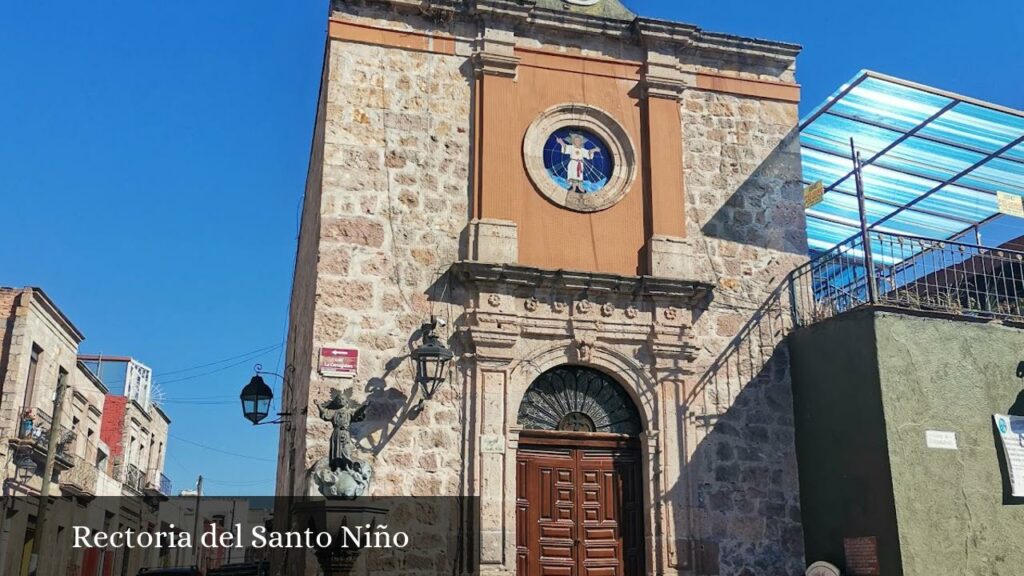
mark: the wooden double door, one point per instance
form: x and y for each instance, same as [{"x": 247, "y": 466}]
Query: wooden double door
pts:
[{"x": 579, "y": 506}]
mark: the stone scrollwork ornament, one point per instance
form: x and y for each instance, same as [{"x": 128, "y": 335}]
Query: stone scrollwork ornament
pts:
[
  {"x": 494, "y": 300},
  {"x": 341, "y": 474},
  {"x": 583, "y": 306},
  {"x": 632, "y": 312},
  {"x": 531, "y": 304},
  {"x": 585, "y": 348},
  {"x": 608, "y": 309}
]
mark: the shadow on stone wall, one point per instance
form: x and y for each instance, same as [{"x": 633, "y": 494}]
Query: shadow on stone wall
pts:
[
  {"x": 761, "y": 212},
  {"x": 738, "y": 495},
  {"x": 388, "y": 408}
]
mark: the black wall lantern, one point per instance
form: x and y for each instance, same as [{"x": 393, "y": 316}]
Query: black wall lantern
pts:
[
  {"x": 257, "y": 396},
  {"x": 432, "y": 360}
]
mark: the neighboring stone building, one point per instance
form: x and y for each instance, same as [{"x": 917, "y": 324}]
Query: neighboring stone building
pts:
[
  {"x": 38, "y": 347},
  {"x": 601, "y": 207},
  {"x": 134, "y": 427}
]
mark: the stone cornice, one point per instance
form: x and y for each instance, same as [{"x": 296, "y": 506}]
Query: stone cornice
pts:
[
  {"x": 508, "y": 8},
  {"x": 644, "y": 30},
  {"x": 686, "y": 35},
  {"x": 514, "y": 276},
  {"x": 496, "y": 64}
]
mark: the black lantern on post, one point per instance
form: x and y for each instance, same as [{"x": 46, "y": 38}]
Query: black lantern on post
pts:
[
  {"x": 256, "y": 398},
  {"x": 432, "y": 360}
]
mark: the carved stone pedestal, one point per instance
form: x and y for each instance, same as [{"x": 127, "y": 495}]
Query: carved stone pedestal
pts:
[{"x": 342, "y": 558}]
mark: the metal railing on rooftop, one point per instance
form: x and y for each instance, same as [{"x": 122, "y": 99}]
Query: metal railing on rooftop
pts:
[{"x": 910, "y": 272}]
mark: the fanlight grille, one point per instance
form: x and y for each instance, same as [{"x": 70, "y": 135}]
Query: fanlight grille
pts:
[{"x": 578, "y": 399}]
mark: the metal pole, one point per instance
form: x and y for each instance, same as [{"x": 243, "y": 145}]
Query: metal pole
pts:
[
  {"x": 231, "y": 528},
  {"x": 3, "y": 525},
  {"x": 195, "y": 527},
  {"x": 869, "y": 264},
  {"x": 51, "y": 455}
]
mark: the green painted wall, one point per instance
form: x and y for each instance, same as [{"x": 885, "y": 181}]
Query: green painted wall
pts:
[
  {"x": 841, "y": 441},
  {"x": 953, "y": 507},
  {"x": 885, "y": 379}
]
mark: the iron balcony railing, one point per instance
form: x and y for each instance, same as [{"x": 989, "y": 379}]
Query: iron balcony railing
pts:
[
  {"x": 910, "y": 272},
  {"x": 165, "y": 485},
  {"x": 35, "y": 427},
  {"x": 130, "y": 476},
  {"x": 159, "y": 482}
]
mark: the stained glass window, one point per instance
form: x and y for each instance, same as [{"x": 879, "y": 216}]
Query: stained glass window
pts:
[{"x": 577, "y": 160}]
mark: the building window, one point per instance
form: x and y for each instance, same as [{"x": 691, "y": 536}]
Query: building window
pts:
[{"x": 30, "y": 384}]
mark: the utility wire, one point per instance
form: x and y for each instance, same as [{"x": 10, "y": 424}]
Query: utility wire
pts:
[
  {"x": 207, "y": 365},
  {"x": 219, "y": 451},
  {"x": 214, "y": 371}
]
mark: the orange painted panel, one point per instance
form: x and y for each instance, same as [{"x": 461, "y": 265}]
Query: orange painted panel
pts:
[
  {"x": 365, "y": 34},
  {"x": 551, "y": 236},
  {"x": 665, "y": 158}
]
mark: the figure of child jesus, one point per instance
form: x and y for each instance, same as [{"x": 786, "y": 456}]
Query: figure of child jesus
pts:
[{"x": 577, "y": 156}]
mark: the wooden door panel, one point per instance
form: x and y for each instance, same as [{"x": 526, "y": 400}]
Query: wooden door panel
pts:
[
  {"x": 579, "y": 511},
  {"x": 546, "y": 503}
]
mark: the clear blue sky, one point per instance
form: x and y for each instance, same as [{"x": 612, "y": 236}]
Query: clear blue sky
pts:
[{"x": 153, "y": 156}]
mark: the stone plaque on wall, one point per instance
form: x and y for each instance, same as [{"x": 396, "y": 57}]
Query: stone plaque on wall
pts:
[
  {"x": 861, "y": 556},
  {"x": 492, "y": 444}
]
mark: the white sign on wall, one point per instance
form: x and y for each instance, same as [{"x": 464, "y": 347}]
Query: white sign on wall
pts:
[
  {"x": 940, "y": 440},
  {"x": 1011, "y": 432}
]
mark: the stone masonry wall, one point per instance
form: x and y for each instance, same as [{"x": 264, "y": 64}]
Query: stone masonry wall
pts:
[
  {"x": 292, "y": 441},
  {"x": 386, "y": 216},
  {"x": 394, "y": 204},
  {"x": 33, "y": 325},
  {"x": 739, "y": 487}
]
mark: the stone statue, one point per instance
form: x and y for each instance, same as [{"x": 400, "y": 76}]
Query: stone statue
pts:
[{"x": 341, "y": 474}]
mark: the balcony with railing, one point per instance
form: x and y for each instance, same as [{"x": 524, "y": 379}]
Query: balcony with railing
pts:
[
  {"x": 159, "y": 483},
  {"x": 165, "y": 485},
  {"x": 34, "y": 439},
  {"x": 131, "y": 478},
  {"x": 82, "y": 478}
]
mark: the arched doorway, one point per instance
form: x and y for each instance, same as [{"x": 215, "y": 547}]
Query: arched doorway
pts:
[{"x": 579, "y": 477}]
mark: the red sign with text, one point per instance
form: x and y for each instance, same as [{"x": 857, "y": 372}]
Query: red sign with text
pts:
[{"x": 339, "y": 362}]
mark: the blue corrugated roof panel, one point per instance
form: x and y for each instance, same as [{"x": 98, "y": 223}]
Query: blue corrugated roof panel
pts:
[{"x": 933, "y": 161}]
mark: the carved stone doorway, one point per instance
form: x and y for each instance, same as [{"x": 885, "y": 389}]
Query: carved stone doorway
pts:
[{"x": 579, "y": 478}]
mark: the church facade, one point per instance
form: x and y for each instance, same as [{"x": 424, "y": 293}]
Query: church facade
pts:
[{"x": 597, "y": 209}]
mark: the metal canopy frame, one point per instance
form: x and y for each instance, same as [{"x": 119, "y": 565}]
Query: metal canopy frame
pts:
[{"x": 934, "y": 160}]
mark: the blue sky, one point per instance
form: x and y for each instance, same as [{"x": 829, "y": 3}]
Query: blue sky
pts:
[{"x": 153, "y": 156}]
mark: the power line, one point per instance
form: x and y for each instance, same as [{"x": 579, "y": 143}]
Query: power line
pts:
[
  {"x": 219, "y": 451},
  {"x": 233, "y": 483},
  {"x": 221, "y": 369},
  {"x": 247, "y": 357},
  {"x": 207, "y": 365}
]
